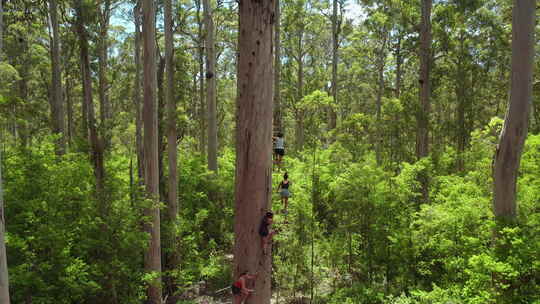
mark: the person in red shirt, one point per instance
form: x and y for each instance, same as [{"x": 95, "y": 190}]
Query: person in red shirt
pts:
[{"x": 239, "y": 289}]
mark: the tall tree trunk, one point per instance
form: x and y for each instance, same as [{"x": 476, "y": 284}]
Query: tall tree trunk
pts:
[
  {"x": 381, "y": 64},
  {"x": 57, "y": 103},
  {"x": 422, "y": 135},
  {"x": 96, "y": 143},
  {"x": 202, "y": 103},
  {"x": 395, "y": 154},
  {"x": 23, "y": 86},
  {"x": 172, "y": 210},
  {"x": 512, "y": 139},
  {"x": 161, "y": 126},
  {"x": 137, "y": 91},
  {"x": 422, "y": 138},
  {"x": 253, "y": 144},
  {"x": 461, "y": 96},
  {"x": 278, "y": 124},
  {"x": 210, "y": 85},
  {"x": 4, "y": 279},
  {"x": 299, "y": 130},
  {"x": 83, "y": 55},
  {"x": 84, "y": 111},
  {"x": 69, "y": 104},
  {"x": 300, "y": 86},
  {"x": 508, "y": 154},
  {"x": 1, "y": 30},
  {"x": 171, "y": 112},
  {"x": 96, "y": 146},
  {"x": 399, "y": 62},
  {"x": 336, "y": 29},
  {"x": 103, "y": 59},
  {"x": 152, "y": 256}
]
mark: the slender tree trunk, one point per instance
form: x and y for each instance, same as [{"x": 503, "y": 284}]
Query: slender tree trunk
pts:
[
  {"x": 83, "y": 54},
  {"x": 161, "y": 127},
  {"x": 152, "y": 256},
  {"x": 422, "y": 140},
  {"x": 278, "y": 124},
  {"x": 96, "y": 143},
  {"x": 253, "y": 144},
  {"x": 422, "y": 135},
  {"x": 96, "y": 147},
  {"x": 202, "y": 103},
  {"x": 172, "y": 210},
  {"x": 300, "y": 85},
  {"x": 512, "y": 139},
  {"x": 1, "y": 30},
  {"x": 171, "y": 115},
  {"x": 57, "y": 103},
  {"x": 336, "y": 29},
  {"x": 380, "y": 92},
  {"x": 461, "y": 78},
  {"x": 399, "y": 62},
  {"x": 103, "y": 60},
  {"x": 210, "y": 85},
  {"x": 299, "y": 130},
  {"x": 395, "y": 146},
  {"x": 69, "y": 104},
  {"x": 137, "y": 91},
  {"x": 4, "y": 279},
  {"x": 24, "y": 73},
  {"x": 84, "y": 111}
]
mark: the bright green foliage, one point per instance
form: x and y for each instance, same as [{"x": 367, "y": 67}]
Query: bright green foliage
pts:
[
  {"x": 373, "y": 243},
  {"x": 54, "y": 230},
  {"x": 205, "y": 227},
  {"x": 55, "y": 241},
  {"x": 355, "y": 232}
]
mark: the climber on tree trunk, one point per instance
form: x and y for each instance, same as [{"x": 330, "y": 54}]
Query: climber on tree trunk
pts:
[
  {"x": 265, "y": 232},
  {"x": 239, "y": 289}
]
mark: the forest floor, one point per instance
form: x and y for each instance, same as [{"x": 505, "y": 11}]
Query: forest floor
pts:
[{"x": 210, "y": 300}]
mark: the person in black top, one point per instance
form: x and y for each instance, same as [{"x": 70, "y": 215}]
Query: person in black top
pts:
[
  {"x": 265, "y": 232},
  {"x": 283, "y": 190}
]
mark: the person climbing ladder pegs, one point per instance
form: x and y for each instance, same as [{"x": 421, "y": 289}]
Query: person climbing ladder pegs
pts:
[
  {"x": 283, "y": 190},
  {"x": 279, "y": 148},
  {"x": 239, "y": 289},
  {"x": 265, "y": 232}
]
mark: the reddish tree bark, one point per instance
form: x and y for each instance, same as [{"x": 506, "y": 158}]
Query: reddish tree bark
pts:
[{"x": 253, "y": 142}]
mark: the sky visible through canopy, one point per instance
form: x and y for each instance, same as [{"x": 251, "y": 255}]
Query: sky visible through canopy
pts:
[{"x": 123, "y": 16}]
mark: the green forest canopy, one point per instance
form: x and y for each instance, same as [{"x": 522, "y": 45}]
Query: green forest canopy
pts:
[{"x": 369, "y": 221}]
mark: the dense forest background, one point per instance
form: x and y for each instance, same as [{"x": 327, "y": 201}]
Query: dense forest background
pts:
[{"x": 391, "y": 196}]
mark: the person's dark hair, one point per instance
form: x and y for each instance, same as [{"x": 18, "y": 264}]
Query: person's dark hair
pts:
[
  {"x": 243, "y": 274},
  {"x": 286, "y": 175},
  {"x": 280, "y": 134},
  {"x": 269, "y": 214}
]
